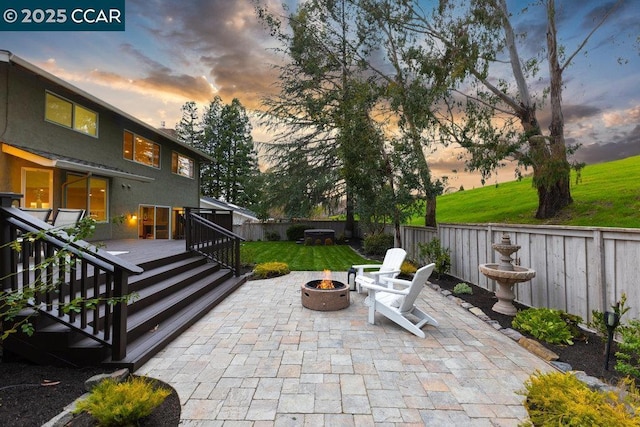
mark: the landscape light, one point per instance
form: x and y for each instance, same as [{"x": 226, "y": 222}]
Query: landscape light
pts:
[{"x": 611, "y": 320}]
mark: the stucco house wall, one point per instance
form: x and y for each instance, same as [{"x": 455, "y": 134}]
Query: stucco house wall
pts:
[{"x": 22, "y": 125}]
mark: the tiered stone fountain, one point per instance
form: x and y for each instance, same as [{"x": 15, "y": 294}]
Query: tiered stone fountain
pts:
[{"x": 506, "y": 275}]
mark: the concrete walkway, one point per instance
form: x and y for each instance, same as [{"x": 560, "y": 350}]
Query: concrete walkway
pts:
[{"x": 261, "y": 359}]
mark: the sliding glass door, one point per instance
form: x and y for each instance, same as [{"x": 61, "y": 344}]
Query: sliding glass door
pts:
[{"x": 155, "y": 222}]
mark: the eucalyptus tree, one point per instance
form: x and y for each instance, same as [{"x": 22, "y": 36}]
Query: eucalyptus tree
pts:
[
  {"x": 493, "y": 112},
  {"x": 411, "y": 91}
]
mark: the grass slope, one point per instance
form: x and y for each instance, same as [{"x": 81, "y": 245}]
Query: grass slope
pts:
[
  {"x": 606, "y": 195},
  {"x": 302, "y": 258}
]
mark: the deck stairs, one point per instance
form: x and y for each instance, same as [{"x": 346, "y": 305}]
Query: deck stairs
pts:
[{"x": 171, "y": 294}]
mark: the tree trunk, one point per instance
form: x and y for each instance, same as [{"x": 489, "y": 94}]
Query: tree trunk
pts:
[
  {"x": 430, "y": 212},
  {"x": 350, "y": 222}
]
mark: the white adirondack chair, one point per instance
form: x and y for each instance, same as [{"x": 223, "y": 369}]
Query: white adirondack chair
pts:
[
  {"x": 398, "y": 304},
  {"x": 389, "y": 269}
]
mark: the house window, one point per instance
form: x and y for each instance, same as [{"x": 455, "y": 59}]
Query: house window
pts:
[
  {"x": 140, "y": 150},
  {"x": 89, "y": 193},
  {"x": 37, "y": 185},
  {"x": 182, "y": 165},
  {"x": 71, "y": 115}
]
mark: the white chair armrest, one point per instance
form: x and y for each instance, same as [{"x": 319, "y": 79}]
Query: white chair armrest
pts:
[
  {"x": 385, "y": 289},
  {"x": 364, "y": 266},
  {"x": 402, "y": 282},
  {"x": 384, "y": 273}
]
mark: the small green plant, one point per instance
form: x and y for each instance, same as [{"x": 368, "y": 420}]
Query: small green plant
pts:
[
  {"x": 408, "y": 268},
  {"x": 296, "y": 232},
  {"x": 318, "y": 242},
  {"x": 598, "y": 323},
  {"x": 270, "y": 269},
  {"x": 628, "y": 354},
  {"x": 549, "y": 325},
  {"x": 308, "y": 241},
  {"x": 432, "y": 252},
  {"x": 122, "y": 404},
  {"x": 377, "y": 244},
  {"x": 560, "y": 399},
  {"x": 328, "y": 241},
  {"x": 462, "y": 288}
]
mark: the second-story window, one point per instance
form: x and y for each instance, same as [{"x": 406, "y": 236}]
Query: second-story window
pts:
[
  {"x": 69, "y": 114},
  {"x": 140, "y": 150},
  {"x": 182, "y": 165}
]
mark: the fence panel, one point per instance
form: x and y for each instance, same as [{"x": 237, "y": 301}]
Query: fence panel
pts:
[{"x": 578, "y": 269}]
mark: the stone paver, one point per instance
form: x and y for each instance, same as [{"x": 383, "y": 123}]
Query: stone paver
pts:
[{"x": 261, "y": 359}]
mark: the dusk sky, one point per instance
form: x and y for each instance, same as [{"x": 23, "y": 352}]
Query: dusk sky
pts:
[{"x": 174, "y": 52}]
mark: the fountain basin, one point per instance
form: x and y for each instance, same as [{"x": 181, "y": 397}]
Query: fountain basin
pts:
[
  {"x": 517, "y": 275},
  {"x": 505, "y": 280}
]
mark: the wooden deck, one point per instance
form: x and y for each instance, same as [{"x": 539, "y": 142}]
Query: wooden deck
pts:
[{"x": 138, "y": 251}]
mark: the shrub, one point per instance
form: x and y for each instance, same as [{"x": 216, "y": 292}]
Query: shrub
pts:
[
  {"x": 462, "y": 288},
  {"x": 432, "y": 252},
  {"x": 308, "y": 241},
  {"x": 272, "y": 236},
  {"x": 377, "y": 244},
  {"x": 408, "y": 268},
  {"x": 550, "y": 325},
  {"x": 628, "y": 354},
  {"x": 270, "y": 269},
  {"x": 296, "y": 232},
  {"x": 122, "y": 404},
  {"x": 318, "y": 242},
  {"x": 328, "y": 241},
  {"x": 560, "y": 399}
]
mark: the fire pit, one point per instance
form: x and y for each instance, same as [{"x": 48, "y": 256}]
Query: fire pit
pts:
[{"x": 325, "y": 295}]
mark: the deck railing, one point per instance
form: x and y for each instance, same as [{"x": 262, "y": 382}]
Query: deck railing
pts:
[
  {"x": 206, "y": 237},
  {"x": 59, "y": 269}
]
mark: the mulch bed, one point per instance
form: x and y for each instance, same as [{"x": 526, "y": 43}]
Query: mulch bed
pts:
[
  {"x": 586, "y": 354},
  {"x": 31, "y": 395}
]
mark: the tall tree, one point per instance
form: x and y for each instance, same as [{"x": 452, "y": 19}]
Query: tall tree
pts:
[
  {"x": 224, "y": 133},
  {"x": 189, "y": 129},
  {"x": 484, "y": 115},
  {"x": 311, "y": 113}
]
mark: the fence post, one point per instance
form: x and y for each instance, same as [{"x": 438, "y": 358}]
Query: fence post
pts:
[{"x": 598, "y": 245}]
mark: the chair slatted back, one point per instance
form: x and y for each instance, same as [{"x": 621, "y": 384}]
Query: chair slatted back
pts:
[
  {"x": 419, "y": 279},
  {"x": 68, "y": 217}
]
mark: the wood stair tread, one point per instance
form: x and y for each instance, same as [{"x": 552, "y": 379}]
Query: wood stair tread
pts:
[{"x": 144, "y": 347}]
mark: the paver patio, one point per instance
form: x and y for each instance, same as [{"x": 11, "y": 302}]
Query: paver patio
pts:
[{"x": 260, "y": 358}]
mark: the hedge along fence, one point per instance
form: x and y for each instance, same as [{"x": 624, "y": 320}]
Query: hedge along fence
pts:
[{"x": 578, "y": 269}]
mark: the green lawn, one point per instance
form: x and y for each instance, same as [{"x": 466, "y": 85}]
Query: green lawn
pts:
[
  {"x": 302, "y": 258},
  {"x": 607, "y": 195}
]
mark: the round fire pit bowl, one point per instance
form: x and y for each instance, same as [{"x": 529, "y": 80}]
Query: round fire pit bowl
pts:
[{"x": 324, "y": 299}]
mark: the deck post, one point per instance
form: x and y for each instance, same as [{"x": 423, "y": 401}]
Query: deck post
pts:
[
  {"x": 6, "y": 201},
  {"x": 120, "y": 289}
]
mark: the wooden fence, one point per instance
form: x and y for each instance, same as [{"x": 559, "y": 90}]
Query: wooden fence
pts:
[{"x": 578, "y": 269}]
